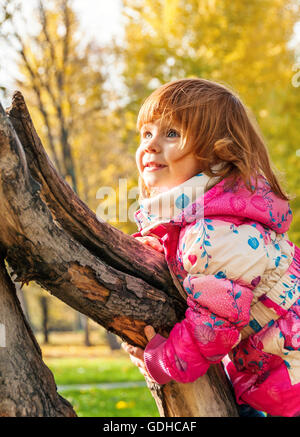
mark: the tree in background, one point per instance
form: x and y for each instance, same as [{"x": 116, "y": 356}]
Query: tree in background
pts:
[
  {"x": 64, "y": 78},
  {"x": 244, "y": 45}
]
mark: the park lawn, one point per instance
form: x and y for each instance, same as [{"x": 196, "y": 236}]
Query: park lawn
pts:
[
  {"x": 72, "y": 363},
  {"x": 111, "y": 367},
  {"x": 79, "y": 370},
  {"x": 129, "y": 402}
]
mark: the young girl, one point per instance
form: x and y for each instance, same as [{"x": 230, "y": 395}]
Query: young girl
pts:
[{"x": 211, "y": 202}]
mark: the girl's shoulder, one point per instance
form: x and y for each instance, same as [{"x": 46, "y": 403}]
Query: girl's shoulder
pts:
[{"x": 229, "y": 248}]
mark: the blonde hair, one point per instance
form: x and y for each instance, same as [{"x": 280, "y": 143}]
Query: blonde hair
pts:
[{"x": 217, "y": 126}]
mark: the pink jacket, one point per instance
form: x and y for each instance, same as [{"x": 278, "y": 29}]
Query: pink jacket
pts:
[{"x": 241, "y": 277}]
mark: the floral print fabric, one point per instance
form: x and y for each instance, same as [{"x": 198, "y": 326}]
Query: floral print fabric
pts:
[{"x": 241, "y": 277}]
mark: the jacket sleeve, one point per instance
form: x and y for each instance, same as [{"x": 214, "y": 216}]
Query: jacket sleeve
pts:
[{"x": 218, "y": 308}]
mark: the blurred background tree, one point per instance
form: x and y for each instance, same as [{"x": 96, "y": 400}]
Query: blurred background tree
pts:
[
  {"x": 63, "y": 79},
  {"x": 244, "y": 45}
]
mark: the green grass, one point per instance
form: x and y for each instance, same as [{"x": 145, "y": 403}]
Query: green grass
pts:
[
  {"x": 129, "y": 402},
  {"x": 96, "y": 402},
  {"x": 92, "y": 371}
]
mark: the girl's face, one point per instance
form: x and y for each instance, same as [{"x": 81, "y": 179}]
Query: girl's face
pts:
[{"x": 161, "y": 162}]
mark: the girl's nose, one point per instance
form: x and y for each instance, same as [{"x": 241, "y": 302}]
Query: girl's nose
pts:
[{"x": 152, "y": 146}]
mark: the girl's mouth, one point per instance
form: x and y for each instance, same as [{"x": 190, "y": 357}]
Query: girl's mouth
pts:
[{"x": 153, "y": 166}]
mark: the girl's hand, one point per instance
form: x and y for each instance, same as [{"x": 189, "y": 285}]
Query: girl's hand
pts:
[
  {"x": 136, "y": 354},
  {"x": 152, "y": 242}
]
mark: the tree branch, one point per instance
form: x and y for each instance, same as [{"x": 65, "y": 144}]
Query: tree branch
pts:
[
  {"x": 48, "y": 235},
  {"x": 61, "y": 245}
]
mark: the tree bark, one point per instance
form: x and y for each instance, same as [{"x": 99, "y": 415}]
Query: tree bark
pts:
[
  {"x": 22, "y": 300},
  {"x": 27, "y": 385},
  {"x": 48, "y": 235}
]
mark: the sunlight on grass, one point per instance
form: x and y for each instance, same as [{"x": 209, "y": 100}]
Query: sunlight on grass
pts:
[
  {"x": 73, "y": 363},
  {"x": 132, "y": 402},
  {"x": 93, "y": 370}
]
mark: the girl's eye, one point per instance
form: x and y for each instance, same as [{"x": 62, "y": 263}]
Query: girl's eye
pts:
[
  {"x": 172, "y": 133},
  {"x": 146, "y": 135}
]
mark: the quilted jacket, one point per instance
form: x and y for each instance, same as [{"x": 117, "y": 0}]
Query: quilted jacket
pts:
[{"x": 229, "y": 253}]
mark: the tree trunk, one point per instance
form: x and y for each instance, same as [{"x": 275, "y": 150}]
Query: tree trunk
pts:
[
  {"x": 22, "y": 300},
  {"x": 112, "y": 341},
  {"x": 86, "y": 328},
  {"x": 27, "y": 385},
  {"x": 45, "y": 319},
  {"x": 50, "y": 236}
]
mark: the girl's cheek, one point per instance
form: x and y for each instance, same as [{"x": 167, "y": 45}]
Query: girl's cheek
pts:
[
  {"x": 138, "y": 159},
  {"x": 173, "y": 154}
]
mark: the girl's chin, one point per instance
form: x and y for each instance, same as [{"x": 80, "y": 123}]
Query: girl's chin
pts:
[{"x": 158, "y": 187}]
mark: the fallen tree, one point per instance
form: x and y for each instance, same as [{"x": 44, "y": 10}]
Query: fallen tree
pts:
[{"x": 48, "y": 235}]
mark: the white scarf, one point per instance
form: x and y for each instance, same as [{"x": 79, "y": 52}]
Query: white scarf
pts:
[{"x": 174, "y": 203}]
